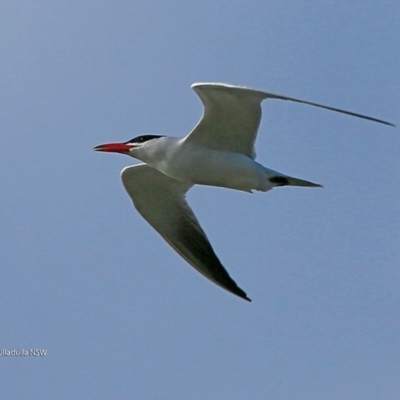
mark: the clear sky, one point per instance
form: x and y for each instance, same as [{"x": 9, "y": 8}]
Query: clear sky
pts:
[{"x": 121, "y": 315}]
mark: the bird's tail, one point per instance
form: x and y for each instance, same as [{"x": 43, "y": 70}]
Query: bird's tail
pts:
[
  {"x": 302, "y": 183},
  {"x": 284, "y": 180}
]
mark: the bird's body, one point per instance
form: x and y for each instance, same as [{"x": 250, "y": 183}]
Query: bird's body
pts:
[
  {"x": 197, "y": 165},
  {"x": 218, "y": 152}
]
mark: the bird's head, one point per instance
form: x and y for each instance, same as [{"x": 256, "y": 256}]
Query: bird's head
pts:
[{"x": 130, "y": 147}]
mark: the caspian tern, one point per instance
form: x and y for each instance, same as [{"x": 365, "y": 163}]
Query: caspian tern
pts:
[{"x": 218, "y": 152}]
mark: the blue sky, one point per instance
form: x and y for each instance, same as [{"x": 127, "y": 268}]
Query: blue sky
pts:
[{"x": 120, "y": 314}]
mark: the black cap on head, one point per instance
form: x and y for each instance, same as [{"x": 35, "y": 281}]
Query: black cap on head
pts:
[{"x": 143, "y": 138}]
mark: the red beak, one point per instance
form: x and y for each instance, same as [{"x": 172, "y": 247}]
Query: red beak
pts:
[{"x": 114, "y": 148}]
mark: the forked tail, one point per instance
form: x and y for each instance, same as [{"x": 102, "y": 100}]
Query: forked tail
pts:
[{"x": 284, "y": 180}]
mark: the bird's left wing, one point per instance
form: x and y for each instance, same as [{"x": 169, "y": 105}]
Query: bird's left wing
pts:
[
  {"x": 161, "y": 201},
  {"x": 230, "y": 120},
  {"x": 232, "y": 115}
]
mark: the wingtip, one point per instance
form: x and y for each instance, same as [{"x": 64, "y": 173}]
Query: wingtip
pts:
[
  {"x": 236, "y": 290},
  {"x": 242, "y": 294}
]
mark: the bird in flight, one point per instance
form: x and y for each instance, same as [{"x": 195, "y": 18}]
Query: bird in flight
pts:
[{"x": 219, "y": 151}]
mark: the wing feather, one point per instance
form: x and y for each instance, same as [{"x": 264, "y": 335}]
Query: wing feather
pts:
[
  {"x": 161, "y": 202},
  {"x": 230, "y": 119},
  {"x": 232, "y": 116}
]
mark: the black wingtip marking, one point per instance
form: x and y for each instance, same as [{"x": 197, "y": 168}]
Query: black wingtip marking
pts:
[
  {"x": 199, "y": 246},
  {"x": 241, "y": 293}
]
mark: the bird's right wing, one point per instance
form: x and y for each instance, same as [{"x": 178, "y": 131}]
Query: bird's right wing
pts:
[{"x": 161, "y": 201}]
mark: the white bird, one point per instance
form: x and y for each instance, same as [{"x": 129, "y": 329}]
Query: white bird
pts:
[{"x": 218, "y": 152}]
